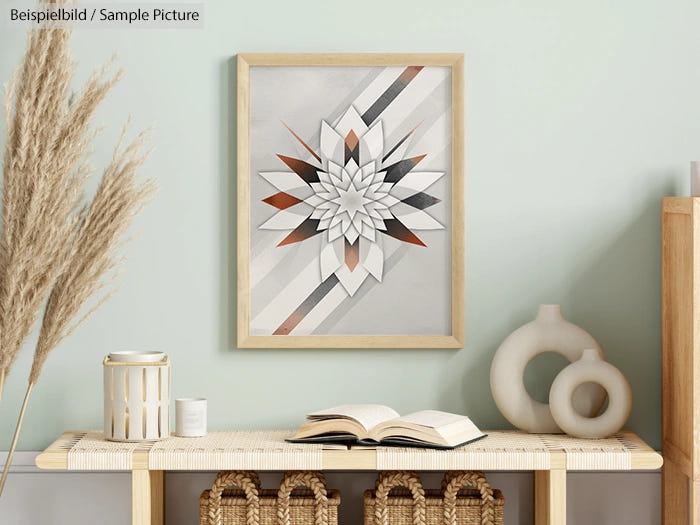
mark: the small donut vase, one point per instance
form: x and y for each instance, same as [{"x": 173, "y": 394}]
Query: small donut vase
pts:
[
  {"x": 591, "y": 368},
  {"x": 549, "y": 332}
]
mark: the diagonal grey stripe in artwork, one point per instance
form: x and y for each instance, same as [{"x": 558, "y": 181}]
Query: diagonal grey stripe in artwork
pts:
[
  {"x": 398, "y": 144},
  {"x": 417, "y": 93},
  {"x": 438, "y": 160},
  {"x": 341, "y": 311},
  {"x": 292, "y": 262},
  {"x": 390, "y": 94},
  {"x": 425, "y": 114},
  {"x": 262, "y": 240},
  {"x": 307, "y": 305}
]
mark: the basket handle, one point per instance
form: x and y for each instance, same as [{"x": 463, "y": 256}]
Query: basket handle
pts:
[
  {"x": 454, "y": 481},
  {"x": 248, "y": 482},
  {"x": 391, "y": 479},
  {"x": 313, "y": 480}
]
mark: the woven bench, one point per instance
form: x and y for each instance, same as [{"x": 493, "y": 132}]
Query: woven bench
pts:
[{"x": 549, "y": 456}]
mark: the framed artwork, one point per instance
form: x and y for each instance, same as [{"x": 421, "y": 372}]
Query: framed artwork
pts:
[{"x": 350, "y": 201}]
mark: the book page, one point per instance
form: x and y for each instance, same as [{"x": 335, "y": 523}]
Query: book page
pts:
[
  {"x": 367, "y": 415},
  {"x": 429, "y": 427},
  {"x": 432, "y": 418}
]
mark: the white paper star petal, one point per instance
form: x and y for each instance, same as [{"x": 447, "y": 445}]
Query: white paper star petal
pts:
[
  {"x": 368, "y": 232},
  {"x": 419, "y": 180},
  {"x": 332, "y": 145},
  {"x": 419, "y": 220},
  {"x": 335, "y": 170},
  {"x": 283, "y": 220},
  {"x": 368, "y": 173},
  {"x": 372, "y": 259},
  {"x": 357, "y": 223},
  {"x": 351, "y": 233},
  {"x": 288, "y": 182},
  {"x": 351, "y": 121},
  {"x": 351, "y": 281},
  {"x": 325, "y": 179},
  {"x": 389, "y": 201},
  {"x": 337, "y": 220},
  {"x": 334, "y": 232},
  {"x": 318, "y": 213},
  {"x": 372, "y": 143},
  {"x": 329, "y": 261},
  {"x": 317, "y": 188},
  {"x": 315, "y": 200},
  {"x": 329, "y": 186},
  {"x": 351, "y": 167},
  {"x": 385, "y": 214},
  {"x": 379, "y": 224}
]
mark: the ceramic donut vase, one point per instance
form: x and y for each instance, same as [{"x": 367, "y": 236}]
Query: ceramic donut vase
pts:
[
  {"x": 578, "y": 392},
  {"x": 591, "y": 368}
]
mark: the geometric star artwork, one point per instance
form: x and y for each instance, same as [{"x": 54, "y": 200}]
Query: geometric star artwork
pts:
[
  {"x": 357, "y": 190},
  {"x": 348, "y": 205}
]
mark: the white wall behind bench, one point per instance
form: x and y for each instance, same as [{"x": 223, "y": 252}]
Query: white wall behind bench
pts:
[{"x": 34, "y": 497}]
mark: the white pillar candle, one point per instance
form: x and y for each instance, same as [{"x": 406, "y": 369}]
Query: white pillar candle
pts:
[
  {"x": 695, "y": 178},
  {"x": 191, "y": 417}
]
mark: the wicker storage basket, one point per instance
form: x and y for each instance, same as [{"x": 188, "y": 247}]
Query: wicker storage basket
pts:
[
  {"x": 453, "y": 504},
  {"x": 249, "y": 504}
]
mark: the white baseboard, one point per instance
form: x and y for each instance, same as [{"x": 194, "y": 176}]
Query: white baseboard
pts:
[{"x": 22, "y": 462}]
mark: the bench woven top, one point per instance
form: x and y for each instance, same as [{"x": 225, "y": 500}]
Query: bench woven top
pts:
[{"x": 268, "y": 450}]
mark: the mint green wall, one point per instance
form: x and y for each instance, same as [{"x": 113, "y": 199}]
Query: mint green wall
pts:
[{"x": 579, "y": 117}]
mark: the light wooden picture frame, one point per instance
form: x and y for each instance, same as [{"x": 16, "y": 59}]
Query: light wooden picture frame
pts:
[{"x": 350, "y": 206}]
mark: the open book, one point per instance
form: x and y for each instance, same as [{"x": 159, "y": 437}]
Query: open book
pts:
[{"x": 379, "y": 424}]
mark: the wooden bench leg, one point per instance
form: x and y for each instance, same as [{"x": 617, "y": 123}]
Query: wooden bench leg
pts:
[
  {"x": 550, "y": 497},
  {"x": 147, "y": 497}
]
